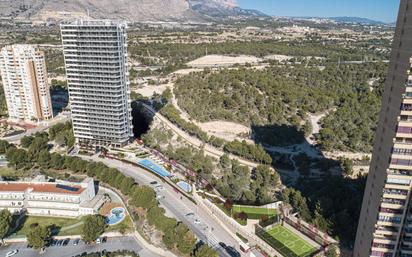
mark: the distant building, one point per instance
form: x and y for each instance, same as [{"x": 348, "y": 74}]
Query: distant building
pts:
[
  {"x": 24, "y": 76},
  {"x": 95, "y": 54},
  {"x": 385, "y": 223},
  {"x": 42, "y": 198}
]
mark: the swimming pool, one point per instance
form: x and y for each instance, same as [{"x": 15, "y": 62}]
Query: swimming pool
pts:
[
  {"x": 115, "y": 216},
  {"x": 154, "y": 167},
  {"x": 185, "y": 186}
]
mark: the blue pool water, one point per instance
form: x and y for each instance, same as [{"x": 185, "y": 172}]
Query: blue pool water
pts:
[
  {"x": 154, "y": 167},
  {"x": 185, "y": 186},
  {"x": 116, "y": 216}
]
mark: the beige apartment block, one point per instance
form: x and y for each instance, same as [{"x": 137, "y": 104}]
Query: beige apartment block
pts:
[
  {"x": 385, "y": 224},
  {"x": 24, "y": 77}
]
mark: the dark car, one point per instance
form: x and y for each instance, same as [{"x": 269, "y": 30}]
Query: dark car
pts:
[
  {"x": 104, "y": 239},
  {"x": 232, "y": 251},
  {"x": 66, "y": 241},
  {"x": 222, "y": 244},
  {"x": 153, "y": 182}
]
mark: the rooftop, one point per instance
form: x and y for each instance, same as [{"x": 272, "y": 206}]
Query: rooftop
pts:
[
  {"x": 92, "y": 22},
  {"x": 40, "y": 188}
]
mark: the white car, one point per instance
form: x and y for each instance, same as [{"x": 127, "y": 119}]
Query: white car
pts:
[
  {"x": 160, "y": 197},
  {"x": 11, "y": 253},
  {"x": 196, "y": 221},
  {"x": 159, "y": 187},
  {"x": 98, "y": 240}
]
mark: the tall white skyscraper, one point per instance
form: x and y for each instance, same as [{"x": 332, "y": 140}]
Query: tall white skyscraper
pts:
[
  {"x": 24, "y": 76},
  {"x": 95, "y": 53}
]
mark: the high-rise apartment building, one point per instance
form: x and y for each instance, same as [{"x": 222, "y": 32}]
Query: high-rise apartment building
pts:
[
  {"x": 95, "y": 54},
  {"x": 385, "y": 224},
  {"x": 24, "y": 76}
]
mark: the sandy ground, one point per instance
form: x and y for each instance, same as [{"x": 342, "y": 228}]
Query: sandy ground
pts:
[
  {"x": 225, "y": 129},
  {"x": 186, "y": 71},
  {"x": 278, "y": 57},
  {"x": 150, "y": 90},
  {"x": 348, "y": 155},
  {"x": 222, "y": 60},
  {"x": 359, "y": 170}
]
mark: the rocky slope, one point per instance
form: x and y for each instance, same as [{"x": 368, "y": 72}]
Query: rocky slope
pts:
[
  {"x": 131, "y": 10},
  {"x": 221, "y": 9}
]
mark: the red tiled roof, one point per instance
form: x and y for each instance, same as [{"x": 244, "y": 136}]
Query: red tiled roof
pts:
[{"x": 39, "y": 188}]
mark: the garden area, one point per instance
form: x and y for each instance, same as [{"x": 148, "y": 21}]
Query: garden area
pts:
[
  {"x": 254, "y": 213},
  {"x": 59, "y": 226},
  {"x": 286, "y": 242},
  {"x": 241, "y": 213}
]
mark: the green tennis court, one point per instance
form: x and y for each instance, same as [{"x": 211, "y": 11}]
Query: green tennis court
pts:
[{"x": 287, "y": 243}]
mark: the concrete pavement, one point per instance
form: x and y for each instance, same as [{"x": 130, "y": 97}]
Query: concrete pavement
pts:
[
  {"x": 112, "y": 244},
  {"x": 58, "y": 119},
  {"x": 206, "y": 228}
]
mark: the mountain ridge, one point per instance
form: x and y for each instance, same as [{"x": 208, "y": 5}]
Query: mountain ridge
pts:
[{"x": 129, "y": 10}]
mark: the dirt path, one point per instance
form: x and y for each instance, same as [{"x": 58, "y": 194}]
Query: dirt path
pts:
[{"x": 314, "y": 120}]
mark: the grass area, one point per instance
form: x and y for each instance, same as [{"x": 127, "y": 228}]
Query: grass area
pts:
[
  {"x": 254, "y": 212},
  {"x": 287, "y": 243},
  {"x": 59, "y": 223},
  {"x": 12, "y": 173}
]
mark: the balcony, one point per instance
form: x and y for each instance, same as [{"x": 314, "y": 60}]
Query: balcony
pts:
[{"x": 391, "y": 211}]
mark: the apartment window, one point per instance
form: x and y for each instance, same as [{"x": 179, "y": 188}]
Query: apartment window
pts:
[
  {"x": 402, "y": 151},
  {"x": 404, "y": 130},
  {"x": 403, "y": 162}
]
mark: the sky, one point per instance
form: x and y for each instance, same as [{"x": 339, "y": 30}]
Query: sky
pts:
[{"x": 381, "y": 10}]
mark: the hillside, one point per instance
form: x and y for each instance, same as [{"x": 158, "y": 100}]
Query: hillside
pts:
[{"x": 130, "y": 10}]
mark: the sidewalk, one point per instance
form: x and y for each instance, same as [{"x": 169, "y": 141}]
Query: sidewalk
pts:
[{"x": 231, "y": 226}]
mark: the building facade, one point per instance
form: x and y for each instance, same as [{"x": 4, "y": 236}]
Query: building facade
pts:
[
  {"x": 95, "y": 54},
  {"x": 50, "y": 198},
  {"x": 385, "y": 224},
  {"x": 25, "y": 83}
]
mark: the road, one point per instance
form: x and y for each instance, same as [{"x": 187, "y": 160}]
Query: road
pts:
[
  {"x": 112, "y": 244},
  {"x": 208, "y": 149},
  {"x": 209, "y": 231},
  {"x": 58, "y": 119}
]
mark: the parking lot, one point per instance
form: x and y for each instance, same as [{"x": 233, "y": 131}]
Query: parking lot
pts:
[{"x": 73, "y": 248}]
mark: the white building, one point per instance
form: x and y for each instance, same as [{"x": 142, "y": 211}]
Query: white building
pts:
[
  {"x": 24, "y": 76},
  {"x": 42, "y": 198},
  {"x": 95, "y": 55}
]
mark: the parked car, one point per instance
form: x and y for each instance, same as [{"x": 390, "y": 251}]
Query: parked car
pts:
[
  {"x": 76, "y": 241},
  {"x": 12, "y": 252},
  {"x": 104, "y": 239},
  {"x": 196, "y": 221},
  {"x": 66, "y": 241},
  {"x": 98, "y": 240},
  {"x": 232, "y": 251},
  {"x": 159, "y": 187},
  {"x": 153, "y": 182}
]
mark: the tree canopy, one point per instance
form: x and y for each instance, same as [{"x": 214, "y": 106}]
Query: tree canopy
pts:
[{"x": 93, "y": 227}]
